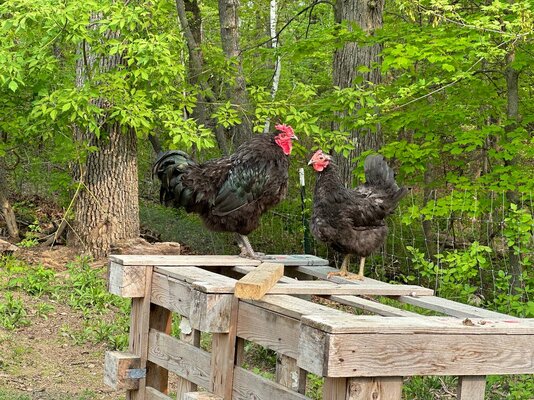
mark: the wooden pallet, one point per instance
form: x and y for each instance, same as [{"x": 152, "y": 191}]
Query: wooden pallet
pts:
[{"x": 360, "y": 356}]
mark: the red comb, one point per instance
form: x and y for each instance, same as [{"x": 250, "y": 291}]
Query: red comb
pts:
[{"x": 285, "y": 128}]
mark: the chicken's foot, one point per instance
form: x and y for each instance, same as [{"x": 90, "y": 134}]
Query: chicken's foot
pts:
[
  {"x": 344, "y": 270},
  {"x": 246, "y": 248}
]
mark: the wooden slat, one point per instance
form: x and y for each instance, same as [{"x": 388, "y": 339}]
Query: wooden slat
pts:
[
  {"x": 157, "y": 376},
  {"x": 420, "y": 354},
  {"x": 248, "y": 385},
  {"x": 206, "y": 281},
  {"x": 190, "y": 336},
  {"x": 223, "y": 356},
  {"x": 372, "y": 306},
  {"x": 179, "y": 357},
  {"x": 334, "y": 388},
  {"x": 126, "y": 281},
  {"x": 153, "y": 394},
  {"x": 438, "y": 304},
  {"x": 215, "y": 260},
  {"x": 258, "y": 281},
  {"x": 171, "y": 293},
  {"x": 268, "y": 329},
  {"x": 471, "y": 387},
  {"x": 353, "y": 301},
  {"x": 289, "y": 375},
  {"x": 138, "y": 338},
  {"x": 199, "y": 396},
  {"x": 386, "y": 388},
  {"x": 350, "y": 323}
]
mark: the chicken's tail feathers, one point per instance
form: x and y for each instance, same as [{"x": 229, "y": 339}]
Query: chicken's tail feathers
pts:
[
  {"x": 169, "y": 168},
  {"x": 379, "y": 173}
]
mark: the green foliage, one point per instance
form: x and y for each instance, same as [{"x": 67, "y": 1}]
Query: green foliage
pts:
[{"x": 13, "y": 314}]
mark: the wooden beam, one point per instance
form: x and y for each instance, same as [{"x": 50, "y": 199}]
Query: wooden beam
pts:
[
  {"x": 377, "y": 355},
  {"x": 180, "y": 358},
  {"x": 334, "y": 388},
  {"x": 126, "y": 281},
  {"x": 139, "y": 327},
  {"x": 223, "y": 357},
  {"x": 199, "y": 396},
  {"x": 471, "y": 387},
  {"x": 257, "y": 282},
  {"x": 157, "y": 377},
  {"x": 385, "y": 388},
  {"x": 288, "y": 374},
  {"x": 117, "y": 367},
  {"x": 248, "y": 385},
  {"x": 190, "y": 336},
  {"x": 153, "y": 394}
]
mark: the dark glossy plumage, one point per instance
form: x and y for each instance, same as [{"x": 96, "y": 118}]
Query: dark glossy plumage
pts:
[
  {"x": 230, "y": 193},
  {"x": 351, "y": 221}
]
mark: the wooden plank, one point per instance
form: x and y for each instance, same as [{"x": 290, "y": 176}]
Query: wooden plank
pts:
[
  {"x": 312, "y": 351},
  {"x": 210, "y": 312},
  {"x": 171, "y": 294},
  {"x": 438, "y": 304},
  {"x": 139, "y": 327},
  {"x": 179, "y": 357},
  {"x": 190, "y": 336},
  {"x": 153, "y": 394},
  {"x": 258, "y": 281},
  {"x": 116, "y": 370},
  {"x": 374, "y": 355},
  {"x": 353, "y": 301},
  {"x": 206, "y": 281},
  {"x": 157, "y": 377},
  {"x": 350, "y": 323},
  {"x": 386, "y": 388},
  {"x": 200, "y": 396},
  {"x": 223, "y": 356},
  {"x": 334, "y": 388},
  {"x": 289, "y": 375},
  {"x": 126, "y": 281},
  {"x": 216, "y": 260},
  {"x": 372, "y": 306},
  {"x": 471, "y": 387},
  {"x": 248, "y": 385},
  {"x": 182, "y": 260}
]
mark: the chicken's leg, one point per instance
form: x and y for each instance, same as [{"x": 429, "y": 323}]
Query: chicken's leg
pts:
[
  {"x": 344, "y": 270},
  {"x": 246, "y": 247},
  {"x": 362, "y": 265}
]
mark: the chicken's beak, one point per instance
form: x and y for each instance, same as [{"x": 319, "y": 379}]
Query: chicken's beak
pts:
[
  {"x": 311, "y": 162},
  {"x": 294, "y": 137}
]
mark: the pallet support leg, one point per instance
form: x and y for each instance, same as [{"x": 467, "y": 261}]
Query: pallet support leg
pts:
[
  {"x": 384, "y": 388},
  {"x": 223, "y": 357},
  {"x": 471, "y": 387},
  {"x": 191, "y": 336},
  {"x": 158, "y": 377},
  {"x": 289, "y": 374}
]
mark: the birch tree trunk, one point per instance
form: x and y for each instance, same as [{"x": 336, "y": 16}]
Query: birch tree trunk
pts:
[
  {"x": 5, "y": 206},
  {"x": 273, "y": 20},
  {"x": 368, "y": 15},
  {"x": 107, "y": 211},
  {"x": 236, "y": 93}
]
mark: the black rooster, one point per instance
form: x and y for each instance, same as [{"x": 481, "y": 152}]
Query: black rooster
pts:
[
  {"x": 351, "y": 221},
  {"x": 230, "y": 193}
]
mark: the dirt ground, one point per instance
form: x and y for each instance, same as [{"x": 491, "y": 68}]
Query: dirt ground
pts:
[{"x": 41, "y": 360}]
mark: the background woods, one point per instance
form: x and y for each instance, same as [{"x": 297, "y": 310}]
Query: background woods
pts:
[{"x": 443, "y": 89}]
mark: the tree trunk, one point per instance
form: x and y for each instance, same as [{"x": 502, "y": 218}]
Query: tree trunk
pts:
[
  {"x": 5, "y": 206},
  {"x": 368, "y": 15},
  {"x": 273, "y": 20},
  {"x": 107, "y": 211},
  {"x": 237, "y": 94},
  {"x": 512, "y": 112}
]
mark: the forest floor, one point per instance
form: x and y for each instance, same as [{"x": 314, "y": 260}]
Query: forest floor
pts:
[{"x": 42, "y": 360}]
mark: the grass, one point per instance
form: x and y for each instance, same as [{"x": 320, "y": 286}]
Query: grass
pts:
[{"x": 7, "y": 394}]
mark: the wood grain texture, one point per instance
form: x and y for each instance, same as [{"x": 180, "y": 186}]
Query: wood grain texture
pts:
[
  {"x": 126, "y": 281},
  {"x": 248, "y": 385},
  {"x": 258, "y": 281},
  {"x": 116, "y": 366},
  {"x": 171, "y": 293},
  {"x": 199, "y": 396},
  {"x": 372, "y": 306},
  {"x": 215, "y": 260},
  {"x": 268, "y": 329},
  {"x": 157, "y": 377},
  {"x": 179, "y": 357},
  {"x": 350, "y": 323},
  {"x": 223, "y": 356},
  {"x": 210, "y": 312},
  {"x": 334, "y": 388},
  {"x": 139, "y": 327},
  {"x": 153, "y": 394},
  {"x": 471, "y": 387},
  {"x": 312, "y": 350},
  {"x": 289, "y": 375},
  {"x": 377, "y": 355},
  {"x": 184, "y": 386},
  {"x": 386, "y": 388}
]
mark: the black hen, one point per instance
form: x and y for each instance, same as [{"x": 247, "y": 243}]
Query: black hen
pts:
[
  {"x": 230, "y": 193},
  {"x": 351, "y": 221}
]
